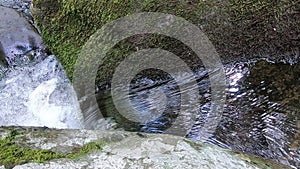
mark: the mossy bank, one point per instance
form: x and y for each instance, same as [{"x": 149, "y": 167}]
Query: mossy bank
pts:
[{"x": 240, "y": 30}]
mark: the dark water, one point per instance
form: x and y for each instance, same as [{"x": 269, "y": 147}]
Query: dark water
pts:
[
  {"x": 262, "y": 111},
  {"x": 261, "y": 114}
]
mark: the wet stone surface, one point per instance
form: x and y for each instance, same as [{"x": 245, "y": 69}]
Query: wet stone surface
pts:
[
  {"x": 19, "y": 5},
  {"x": 19, "y": 41}
]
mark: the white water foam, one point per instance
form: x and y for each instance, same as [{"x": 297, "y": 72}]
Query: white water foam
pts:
[{"x": 39, "y": 95}]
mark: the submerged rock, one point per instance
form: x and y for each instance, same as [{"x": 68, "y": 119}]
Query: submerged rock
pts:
[{"x": 132, "y": 150}]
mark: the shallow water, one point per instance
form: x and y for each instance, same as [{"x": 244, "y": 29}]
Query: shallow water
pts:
[{"x": 261, "y": 114}]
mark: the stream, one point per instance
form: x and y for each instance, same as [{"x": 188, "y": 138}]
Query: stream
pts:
[{"x": 261, "y": 114}]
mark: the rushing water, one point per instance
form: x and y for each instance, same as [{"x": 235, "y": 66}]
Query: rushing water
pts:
[
  {"x": 34, "y": 89},
  {"x": 38, "y": 94},
  {"x": 261, "y": 114}
]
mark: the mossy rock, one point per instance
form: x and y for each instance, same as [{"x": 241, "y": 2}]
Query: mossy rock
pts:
[
  {"x": 239, "y": 30},
  {"x": 15, "y": 152},
  {"x": 116, "y": 149}
]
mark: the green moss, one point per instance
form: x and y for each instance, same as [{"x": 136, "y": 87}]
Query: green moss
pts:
[
  {"x": 12, "y": 154},
  {"x": 96, "y": 145},
  {"x": 66, "y": 25},
  {"x": 238, "y": 29}
]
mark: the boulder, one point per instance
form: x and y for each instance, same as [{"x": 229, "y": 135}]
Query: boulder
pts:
[
  {"x": 17, "y": 38},
  {"x": 127, "y": 150}
]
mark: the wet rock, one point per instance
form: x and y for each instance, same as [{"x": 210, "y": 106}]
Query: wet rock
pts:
[
  {"x": 22, "y": 6},
  {"x": 19, "y": 42},
  {"x": 130, "y": 150},
  {"x": 15, "y": 3}
]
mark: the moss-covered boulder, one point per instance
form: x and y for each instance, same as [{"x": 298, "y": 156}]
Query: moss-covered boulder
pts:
[{"x": 240, "y": 30}]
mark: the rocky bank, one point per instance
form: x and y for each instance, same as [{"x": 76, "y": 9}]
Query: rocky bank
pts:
[{"x": 120, "y": 149}]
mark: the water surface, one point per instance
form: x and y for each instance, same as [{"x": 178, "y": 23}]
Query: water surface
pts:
[{"x": 261, "y": 114}]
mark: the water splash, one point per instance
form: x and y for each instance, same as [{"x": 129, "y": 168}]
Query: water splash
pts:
[{"x": 39, "y": 94}]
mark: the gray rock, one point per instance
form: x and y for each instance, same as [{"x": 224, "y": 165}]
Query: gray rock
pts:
[
  {"x": 14, "y": 3},
  {"x": 133, "y": 150},
  {"x": 17, "y": 38}
]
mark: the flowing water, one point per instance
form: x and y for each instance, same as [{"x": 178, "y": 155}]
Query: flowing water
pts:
[
  {"x": 34, "y": 89},
  {"x": 38, "y": 94},
  {"x": 261, "y": 114}
]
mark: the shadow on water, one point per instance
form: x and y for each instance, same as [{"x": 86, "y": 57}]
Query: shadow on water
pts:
[{"x": 261, "y": 115}]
